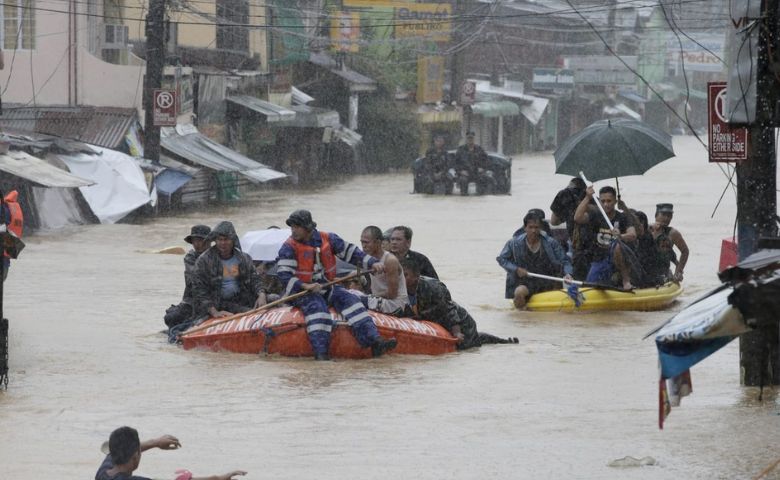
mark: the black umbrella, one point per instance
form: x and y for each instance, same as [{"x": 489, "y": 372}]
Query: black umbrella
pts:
[{"x": 613, "y": 148}]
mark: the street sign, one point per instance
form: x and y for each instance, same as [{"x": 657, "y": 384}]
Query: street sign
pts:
[
  {"x": 468, "y": 92},
  {"x": 164, "y": 108},
  {"x": 726, "y": 143},
  {"x": 552, "y": 79}
]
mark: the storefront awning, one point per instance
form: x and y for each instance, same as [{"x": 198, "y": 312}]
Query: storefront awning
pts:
[
  {"x": 311, "y": 117},
  {"x": 621, "y": 109},
  {"x": 34, "y": 169},
  {"x": 499, "y": 108},
  {"x": 300, "y": 97},
  {"x": 531, "y": 106},
  {"x": 350, "y": 137},
  {"x": 272, "y": 112},
  {"x": 188, "y": 143},
  {"x": 169, "y": 181},
  {"x": 427, "y": 114},
  {"x": 633, "y": 96},
  {"x": 357, "y": 82}
]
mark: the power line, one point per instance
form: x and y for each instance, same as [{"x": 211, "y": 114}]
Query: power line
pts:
[{"x": 461, "y": 18}]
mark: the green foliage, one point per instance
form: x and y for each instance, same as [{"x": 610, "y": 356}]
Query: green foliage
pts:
[
  {"x": 390, "y": 129},
  {"x": 390, "y": 132}
]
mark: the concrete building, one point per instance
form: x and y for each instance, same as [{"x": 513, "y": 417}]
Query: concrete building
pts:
[{"x": 68, "y": 53}]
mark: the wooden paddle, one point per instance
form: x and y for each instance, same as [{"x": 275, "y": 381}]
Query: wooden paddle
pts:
[
  {"x": 598, "y": 203},
  {"x": 272, "y": 304},
  {"x": 580, "y": 283}
]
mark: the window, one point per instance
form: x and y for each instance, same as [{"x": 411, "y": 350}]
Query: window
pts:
[
  {"x": 229, "y": 37},
  {"x": 19, "y": 24}
]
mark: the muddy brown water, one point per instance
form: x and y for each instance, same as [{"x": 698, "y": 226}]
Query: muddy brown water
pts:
[{"x": 578, "y": 392}]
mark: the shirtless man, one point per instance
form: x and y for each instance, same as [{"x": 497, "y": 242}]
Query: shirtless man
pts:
[
  {"x": 388, "y": 289},
  {"x": 667, "y": 237}
]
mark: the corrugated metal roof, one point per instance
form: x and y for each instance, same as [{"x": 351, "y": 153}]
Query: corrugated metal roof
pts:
[
  {"x": 357, "y": 81},
  {"x": 24, "y": 165},
  {"x": 273, "y": 112},
  {"x": 201, "y": 150},
  {"x": 300, "y": 97},
  {"x": 102, "y": 126},
  {"x": 312, "y": 117}
]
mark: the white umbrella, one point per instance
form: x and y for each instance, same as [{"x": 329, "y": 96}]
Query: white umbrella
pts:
[{"x": 263, "y": 245}]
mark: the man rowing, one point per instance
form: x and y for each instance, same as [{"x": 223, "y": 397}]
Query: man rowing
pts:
[
  {"x": 532, "y": 252},
  {"x": 609, "y": 250},
  {"x": 306, "y": 261}
]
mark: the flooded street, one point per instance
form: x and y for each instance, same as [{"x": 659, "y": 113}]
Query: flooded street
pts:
[{"x": 579, "y": 391}]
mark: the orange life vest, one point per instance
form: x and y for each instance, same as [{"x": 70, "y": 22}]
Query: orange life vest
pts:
[
  {"x": 306, "y": 256},
  {"x": 16, "y": 224}
]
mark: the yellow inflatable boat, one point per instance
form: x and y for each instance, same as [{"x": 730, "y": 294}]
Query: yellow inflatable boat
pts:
[{"x": 643, "y": 299}]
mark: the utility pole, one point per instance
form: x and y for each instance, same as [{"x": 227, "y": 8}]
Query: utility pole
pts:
[
  {"x": 757, "y": 199},
  {"x": 457, "y": 66},
  {"x": 155, "y": 60}
]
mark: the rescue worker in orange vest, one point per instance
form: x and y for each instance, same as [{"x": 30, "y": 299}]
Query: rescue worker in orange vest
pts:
[
  {"x": 306, "y": 261},
  {"x": 11, "y": 220}
]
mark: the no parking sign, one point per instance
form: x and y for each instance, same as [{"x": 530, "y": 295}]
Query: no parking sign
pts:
[{"x": 726, "y": 143}]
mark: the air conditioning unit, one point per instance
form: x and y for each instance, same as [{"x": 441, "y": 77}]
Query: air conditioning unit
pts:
[{"x": 114, "y": 36}]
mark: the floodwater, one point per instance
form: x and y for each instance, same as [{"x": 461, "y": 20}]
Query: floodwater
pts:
[{"x": 579, "y": 391}]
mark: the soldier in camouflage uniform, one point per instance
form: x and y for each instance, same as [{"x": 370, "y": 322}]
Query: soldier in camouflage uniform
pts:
[
  {"x": 472, "y": 164},
  {"x": 431, "y": 300},
  {"x": 434, "y": 171},
  {"x": 182, "y": 312}
]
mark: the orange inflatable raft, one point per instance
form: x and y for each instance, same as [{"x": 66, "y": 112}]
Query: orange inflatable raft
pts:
[{"x": 283, "y": 331}]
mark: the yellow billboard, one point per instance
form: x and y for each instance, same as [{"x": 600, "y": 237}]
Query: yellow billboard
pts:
[
  {"x": 430, "y": 21},
  {"x": 430, "y": 79},
  {"x": 345, "y": 32}
]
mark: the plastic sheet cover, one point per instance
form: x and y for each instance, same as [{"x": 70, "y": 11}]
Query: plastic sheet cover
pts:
[{"x": 120, "y": 185}]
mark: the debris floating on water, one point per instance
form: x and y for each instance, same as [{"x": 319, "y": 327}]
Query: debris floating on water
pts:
[
  {"x": 632, "y": 462},
  {"x": 168, "y": 250}
]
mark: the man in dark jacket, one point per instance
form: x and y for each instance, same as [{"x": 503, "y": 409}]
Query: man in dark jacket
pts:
[
  {"x": 225, "y": 280},
  {"x": 182, "y": 312},
  {"x": 472, "y": 164},
  {"x": 535, "y": 253},
  {"x": 431, "y": 300},
  {"x": 563, "y": 208}
]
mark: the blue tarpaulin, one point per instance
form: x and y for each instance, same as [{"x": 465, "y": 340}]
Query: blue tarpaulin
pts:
[{"x": 170, "y": 180}]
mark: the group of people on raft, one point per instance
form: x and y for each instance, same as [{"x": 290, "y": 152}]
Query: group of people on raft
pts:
[
  {"x": 439, "y": 170},
  {"x": 221, "y": 280},
  {"x": 631, "y": 254}
]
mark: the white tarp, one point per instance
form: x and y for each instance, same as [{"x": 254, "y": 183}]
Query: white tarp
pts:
[
  {"x": 120, "y": 185},
  {"x": 57, "y": 208}
]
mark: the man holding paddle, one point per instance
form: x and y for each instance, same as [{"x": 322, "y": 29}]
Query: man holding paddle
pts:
[
  {"x": 529, "y": 254},
  {"x": 612, "y": 230},
  {"x": 307, "y": 261}
]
